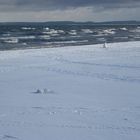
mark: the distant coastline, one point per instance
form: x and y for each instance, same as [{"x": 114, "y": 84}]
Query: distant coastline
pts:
[{"x": 130, "y": 22}]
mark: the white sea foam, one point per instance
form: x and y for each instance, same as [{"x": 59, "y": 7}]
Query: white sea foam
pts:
[
  {"x": 87, "y": 31},
  {"x": 11, "y": 40},
  {"x": 137, "y": 30},
  {"x": 44, "y": 37},
  {"x": 47, "y": 28},
  {"x": 61, "y": 31},
  {"x": 73, "y": 32},
  {"x": 51, "y": 32},
  {"x": 28, "y": 28},
  {"x": 124, "y": 29},
  {"x": 24, "y": 44},
  {"x": 45, "y": 32},
  {"x": 18, "y": 37},
  {"x": 6, "y": 34},
  {"x": 109, "y": 31},
  {"x": 66, "y": 42},
  {"x": 136, "y": 37},
  {"x": 26, "y": 37},
  {"x": 14, "y": 40}
]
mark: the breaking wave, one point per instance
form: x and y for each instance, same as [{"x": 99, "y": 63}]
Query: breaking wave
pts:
[{"x": 13, "y": 36}]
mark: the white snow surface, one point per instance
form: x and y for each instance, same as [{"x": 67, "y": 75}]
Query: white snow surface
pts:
[{"x": 71, "y": 93}]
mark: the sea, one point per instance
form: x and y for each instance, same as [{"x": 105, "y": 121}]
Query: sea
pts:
[{"x": 56, "y": 34}]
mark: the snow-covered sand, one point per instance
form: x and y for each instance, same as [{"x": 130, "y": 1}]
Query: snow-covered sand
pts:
[{"x": 71, "y": 93}]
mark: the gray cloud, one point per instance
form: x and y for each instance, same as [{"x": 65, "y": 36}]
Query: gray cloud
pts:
[
  {"x": 64, "y": 4},
  {"x": 77, "y": 10}
]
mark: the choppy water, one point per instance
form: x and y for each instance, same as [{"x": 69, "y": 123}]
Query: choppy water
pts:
[{"x": 18, "y": 36}]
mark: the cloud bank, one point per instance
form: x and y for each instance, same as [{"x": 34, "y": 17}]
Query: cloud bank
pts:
[
  {"x": 33, "y": 5},
  {"x": 77, "y": 10}
]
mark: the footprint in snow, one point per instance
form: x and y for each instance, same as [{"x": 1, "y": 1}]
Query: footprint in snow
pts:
[
  {"x": 44, "y": 91},
  {"x": 9, "y": 137}
]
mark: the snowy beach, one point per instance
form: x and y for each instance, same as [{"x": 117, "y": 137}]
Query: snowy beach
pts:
[{"x": 71, "y": 93}]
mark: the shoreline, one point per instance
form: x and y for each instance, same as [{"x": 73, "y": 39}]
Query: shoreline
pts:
[{"x": 63, "y": 46}]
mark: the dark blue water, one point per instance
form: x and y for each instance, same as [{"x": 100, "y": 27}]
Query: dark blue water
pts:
[{"x": 20, "y": 36}]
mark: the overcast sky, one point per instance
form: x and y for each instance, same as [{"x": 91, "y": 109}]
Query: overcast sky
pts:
[{"x": 71, "y": 10}]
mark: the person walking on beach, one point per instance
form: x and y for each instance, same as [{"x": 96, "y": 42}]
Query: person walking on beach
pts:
[{"x": 105, "y": 45}]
